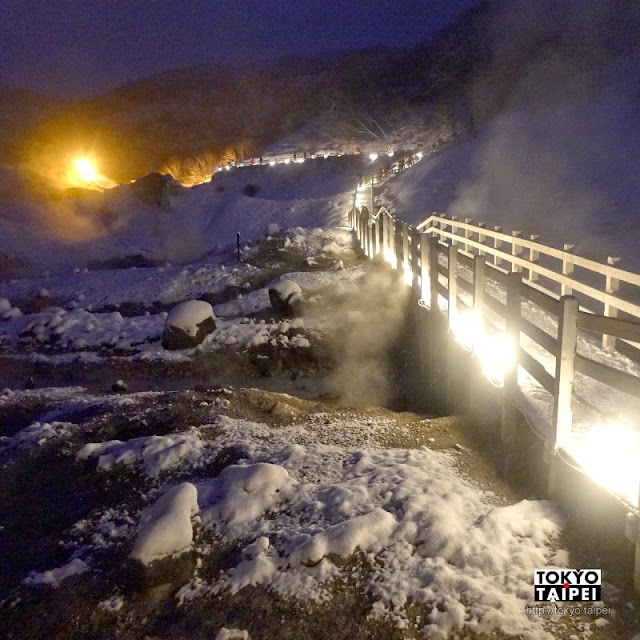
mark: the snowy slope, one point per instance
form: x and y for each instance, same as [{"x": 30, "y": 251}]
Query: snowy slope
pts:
[
  {"x": 65, "y": 233},
  {"x": 566, "y": 170}
]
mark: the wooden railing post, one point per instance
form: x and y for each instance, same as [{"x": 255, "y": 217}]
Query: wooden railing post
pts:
[
  {"x": 384, "y": 233},
  {"x": 567, "y": 270},
  {"x": 497, "y": 243},
  {"x": 612, "y": 285},
  {"x": 438, "y": 335},
  {"x": 481, "y": 237},
  {"x": 392, "y": 236},
  {"x": 424, "y": 265},
  {"x": 397, "y": 243},
  {"x": 475, "y": 391},
  {"x": 452, "y": 313},
  {"x": 516, "y": 250},
  {"x": 373, "y": 227},
  {"x": 478, "y": 284},
  {"x": 467, "y": 233},
  {"x": 513, "y": 317},
  {"x": 405, "y": 246},
  {"x": 434, "y": 305},
  {"x": 452, "y": 285},
  {"x": 565, "y": 374},
  {"x": 534, "y": 256},
  {"x": 365, "y": 235},
  {"x": 415, "y": 257}
]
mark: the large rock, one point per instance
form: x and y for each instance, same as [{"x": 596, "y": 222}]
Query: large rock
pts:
[
  {"x": 162, "y": 551},
  {"x": 188, "y": 324},
  {"x": 286, "y": 297},
  {"x": 156, "y": 189}
]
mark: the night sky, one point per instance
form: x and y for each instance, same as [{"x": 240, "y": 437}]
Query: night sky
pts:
[{"x": 77, "y": 48}]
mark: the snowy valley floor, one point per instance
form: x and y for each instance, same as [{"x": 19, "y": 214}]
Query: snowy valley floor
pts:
[{"x": 256, "y": 481}]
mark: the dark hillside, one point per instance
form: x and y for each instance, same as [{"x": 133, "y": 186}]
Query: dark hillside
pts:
[{"x": 496, "y": 54}]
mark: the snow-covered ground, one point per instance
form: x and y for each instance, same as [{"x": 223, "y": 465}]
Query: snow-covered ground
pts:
[{"x": 297, "y": 502}]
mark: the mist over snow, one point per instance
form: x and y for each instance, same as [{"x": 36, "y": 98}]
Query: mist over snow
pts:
[
  {"x": 179, "y": 224},
  {"x": 560, "y": 155}
]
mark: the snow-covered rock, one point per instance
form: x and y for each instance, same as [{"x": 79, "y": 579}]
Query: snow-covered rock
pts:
[
  {"x": 286, "y": 297},
  {"x": 7, "y": 311},
  {"x": 188, "y": 324},
  {"x": 166, "y": 526},
  {"x": 241, "y": 493},
  {"x": 273, "y": 229}
]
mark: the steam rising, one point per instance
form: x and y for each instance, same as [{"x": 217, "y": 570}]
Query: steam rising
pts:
[
  {"x": 561, "y": 155},
  {"x": 365, "y": 339}
]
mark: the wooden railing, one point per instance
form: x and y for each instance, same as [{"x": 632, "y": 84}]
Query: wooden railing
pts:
[{"x": 453, "y": 265}]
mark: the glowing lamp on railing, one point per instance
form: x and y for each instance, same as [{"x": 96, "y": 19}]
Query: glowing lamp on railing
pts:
[
  {"x": 610, "y": 455},
  {"x": 272, "y": 163},
  {"x": 468, "y": 328},
  {"x": 390, "y": 257},
  {"x": 496, "y": 354},
  {"x": 373, "y": 157}
]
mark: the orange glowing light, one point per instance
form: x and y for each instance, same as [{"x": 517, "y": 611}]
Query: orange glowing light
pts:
[{"x": 85, "y": 170}]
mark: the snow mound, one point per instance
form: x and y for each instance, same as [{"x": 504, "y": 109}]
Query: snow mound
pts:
[
  {"x": 426, "y": 534},
  {"x": 156, "y": 454},
  {"x": 188, "y": 315},
  {"x": 7, "y": 311},
  {"x": 166, "y": 526},
  {"x": 54, "y": 577},
  {"x": 241, "y": 494},
  {"x": 285, "y": 296},
  {"x": 37, "y": 434},
  {"x": 287, "y": 289},
  {"x": 369, "y": 532}
]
